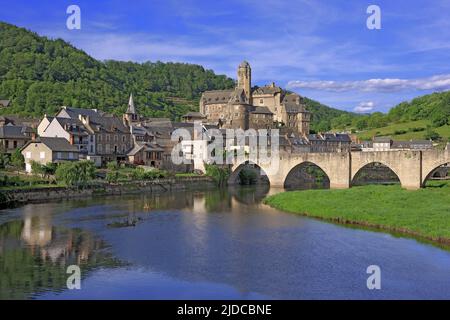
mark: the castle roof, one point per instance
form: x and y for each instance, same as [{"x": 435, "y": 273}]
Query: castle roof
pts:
[
  {"x": 268, "y": 89},
  {"x": 217, "y": 96}
]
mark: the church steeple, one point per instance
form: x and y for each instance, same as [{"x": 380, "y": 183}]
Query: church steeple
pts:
[
  {"x": 130, "y": 115},
  {"x": 131, "y": 109}
]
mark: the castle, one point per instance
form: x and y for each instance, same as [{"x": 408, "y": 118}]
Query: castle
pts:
[{"x": 245, "y": 107}]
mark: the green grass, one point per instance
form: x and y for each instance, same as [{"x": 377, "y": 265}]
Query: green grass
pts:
[
  {"x": 390, "y": 130},
  {"x": 424, "y": 213},
  {"x": 183, "y": 175}
]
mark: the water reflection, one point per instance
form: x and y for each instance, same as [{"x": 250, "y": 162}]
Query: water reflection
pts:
[
  {"x": 204, "y": 244},
  {"x": 34, "y": 254}
]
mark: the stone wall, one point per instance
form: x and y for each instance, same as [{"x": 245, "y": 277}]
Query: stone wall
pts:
[{"x": 60, "y": 193}]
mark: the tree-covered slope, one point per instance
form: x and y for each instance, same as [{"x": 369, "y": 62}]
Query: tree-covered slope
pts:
[{"x": 39, "y": 75}]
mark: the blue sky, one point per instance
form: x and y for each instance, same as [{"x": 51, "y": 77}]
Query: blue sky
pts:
[{"x": 320, "y": 49}]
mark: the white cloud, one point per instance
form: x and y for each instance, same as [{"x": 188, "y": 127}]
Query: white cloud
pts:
[
  {"x": 365, "y": 107},
  {"x": 438, "y": 83}
]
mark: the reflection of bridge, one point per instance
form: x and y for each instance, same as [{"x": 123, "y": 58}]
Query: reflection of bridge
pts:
[{"x": 412, "y": 168}]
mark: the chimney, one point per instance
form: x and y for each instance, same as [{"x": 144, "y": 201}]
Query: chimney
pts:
[
  {"x": 71, "y": 139},
  {"x": 33, "y": 136}
]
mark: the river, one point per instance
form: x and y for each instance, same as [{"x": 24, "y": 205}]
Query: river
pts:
[{"x": 215, "y": 244}]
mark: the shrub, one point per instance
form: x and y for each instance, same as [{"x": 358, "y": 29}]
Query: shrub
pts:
[
  {"x": 113, "y": 172},
  {"x": 17, "y": 160},
  {"x": 247, "y": 176},
  {"x": 36, "y": 168},
  {"x": 432, "y": 135},
  {"x": 219, "y": 174},
  {"x": 78, "y": 173}
]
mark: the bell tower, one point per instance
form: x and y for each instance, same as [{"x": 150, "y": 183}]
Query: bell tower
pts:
[{"x": 245, "y": 80}]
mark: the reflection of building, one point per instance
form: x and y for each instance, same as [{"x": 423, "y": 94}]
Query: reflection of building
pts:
[
  {"x": 37, "y": 230},
  {"x": 245, "y": 107}
]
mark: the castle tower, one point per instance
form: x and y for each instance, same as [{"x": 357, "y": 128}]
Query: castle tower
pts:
[{"x": 245, "y": 80}]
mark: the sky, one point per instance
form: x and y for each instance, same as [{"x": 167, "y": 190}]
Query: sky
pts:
[{"x": 320, "y": 49}]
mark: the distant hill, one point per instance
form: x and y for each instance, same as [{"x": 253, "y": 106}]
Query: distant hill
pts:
[
  {"x": 425, "y": 117},
  {"x": 39, "y": 75}
]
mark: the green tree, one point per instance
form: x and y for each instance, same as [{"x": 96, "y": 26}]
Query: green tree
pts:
[
  {"x": 17, "y": 160},
  {"x": 78, "y": 173},
  {"x": 36, "y": 168},
  {"x": 4, "y": 160},
  {"x": 112, "y": 176},
  {"x": 218, "y": 173}
]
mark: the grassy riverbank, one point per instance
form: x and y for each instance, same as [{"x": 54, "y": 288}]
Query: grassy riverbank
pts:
[{"x": 424, "y": 213}]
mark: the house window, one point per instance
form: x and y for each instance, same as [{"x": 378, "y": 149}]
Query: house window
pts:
[
  {"x": 261, "y": 101},
  {"x": 42, "y": 155},
  {"x": 92, "y": 149},
  {"x": 59, "y": 155},
  {"x": 28, "y": 155},
  {"x": 15, "y": 144},
  {"x": 99, "y": 148},
  {"x": 7, "y": 144},
  {"x": 71, "y": 155}
]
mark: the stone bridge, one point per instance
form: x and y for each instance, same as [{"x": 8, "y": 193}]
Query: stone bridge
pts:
[{"x": 412, "y": 168}]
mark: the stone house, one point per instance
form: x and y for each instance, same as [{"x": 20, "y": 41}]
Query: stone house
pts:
[
  {"x": 13, "y": 137},
  {"x": 388, "y": 144},
  {"x": 148, "y": 154},
  {"x": 99, "y": 136},
  {"x": 46, "y": 150}
]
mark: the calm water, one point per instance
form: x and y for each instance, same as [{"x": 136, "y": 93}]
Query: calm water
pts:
[{"x": 204, "y": 245}]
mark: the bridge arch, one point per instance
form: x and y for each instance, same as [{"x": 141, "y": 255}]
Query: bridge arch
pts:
[
  {"x": 430, "y": 173},
  {"x": 386, "y": 174},
  {"x": 237, "y": 169},
  {"x": 318, "y": 174}
]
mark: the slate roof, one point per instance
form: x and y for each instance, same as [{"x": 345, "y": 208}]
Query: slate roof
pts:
[
  {"x": 149, "y": 147},
  {"x": 268, "y": 89},
  {"x": 73, "y": 126},
  {"x": 57, "y": 144},
  {"x": 412, "y": 144},
  {"x": 14, "y": 132},
  {"x": 217, "y": 96},
  {"x": 337, "y": 137},
  {"x": 75, "y": 113}
]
